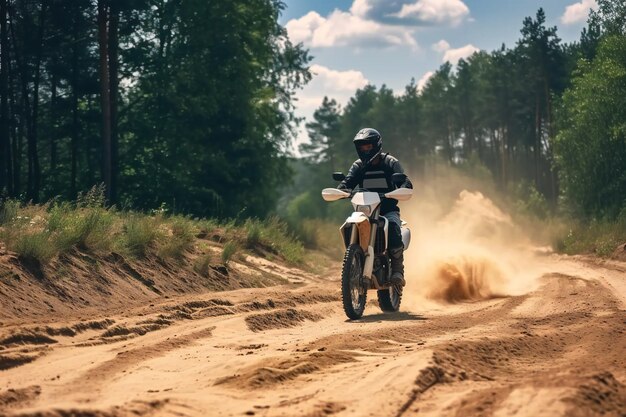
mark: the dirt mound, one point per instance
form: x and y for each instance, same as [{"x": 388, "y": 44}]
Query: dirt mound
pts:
[
  {"x": 27, "y": 338},
  {"x": 278, "y": 371},
  {"x": 79, "y": 283},
  {"x": 279, "y": 319},
  {"x": 326, "y": 409},
  {"x": 599, "y": 394},
  {"x": 140, "y": 330},
  {"x": 18, "y": 397},
  {"x": 11, "y": 360},
  {"x": 213, "y": 311},
  {"x": 134, "y": 409}
]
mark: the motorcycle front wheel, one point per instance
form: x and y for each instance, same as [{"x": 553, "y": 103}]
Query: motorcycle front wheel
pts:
[{"x": 353, "y": 292}]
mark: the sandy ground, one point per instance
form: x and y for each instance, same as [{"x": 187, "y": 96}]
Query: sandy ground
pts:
[{"x": 558, "y": 349}]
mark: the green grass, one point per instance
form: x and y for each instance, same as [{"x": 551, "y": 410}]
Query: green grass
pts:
[
  {"x": 42, "y": 232},
  {"x": 274, "y": 235},
  {"x": 8, "y": 211},
  {"x": 253, "y": 232},
  {"x": 228, "y": 251},
  {"x": 179, "y": 239},
  {"x": 87, "y": 228},
  {"x": 34, "y": 247},
  {"x": 140, "y": 232},
  {"x": 201, "y": 264},
  {"x": 599, "y": 237}
]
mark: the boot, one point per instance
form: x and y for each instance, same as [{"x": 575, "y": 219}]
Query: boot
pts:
[{"x": 397, "y": 266}]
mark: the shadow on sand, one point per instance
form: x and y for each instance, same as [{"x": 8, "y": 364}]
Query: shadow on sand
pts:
[{"x": 401, "y": 316}]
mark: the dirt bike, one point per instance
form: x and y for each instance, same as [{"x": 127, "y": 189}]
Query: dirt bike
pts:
[{"x": 366, "y": 263}]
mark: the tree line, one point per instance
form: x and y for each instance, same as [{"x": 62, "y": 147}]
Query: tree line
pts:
[
  {"x": 187, "y": 103},
  {"x": 544, "y": 114}
]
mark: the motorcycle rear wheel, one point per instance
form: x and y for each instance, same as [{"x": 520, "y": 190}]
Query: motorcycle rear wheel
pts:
[{"x": 354, "y": 295}]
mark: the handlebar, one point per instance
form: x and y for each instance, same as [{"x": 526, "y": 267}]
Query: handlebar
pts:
[{"x": 362, "y": 190}]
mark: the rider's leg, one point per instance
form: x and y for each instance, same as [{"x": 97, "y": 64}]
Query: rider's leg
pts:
[{"x": 396, "y": 248}]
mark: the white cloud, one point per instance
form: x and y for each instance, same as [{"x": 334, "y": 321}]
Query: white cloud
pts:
[
  {"x": 338, "y": 85},
  {"x": 360, "y": 8},
  {"x": 422, "y": 81},
  {"x": 434, "y": 12},
  {"x": 346, "y": 29},
  {"x": 441, "y": 46},
  {"x": 578, "y": 12},
  {"x": 454, "y": 55},
  {"x": 338, "y": 81},
  {"x": 300, "y": 30}
]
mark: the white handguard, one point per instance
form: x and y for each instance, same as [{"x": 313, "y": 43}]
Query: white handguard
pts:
[
  {"x": 400, "y": 194},
  {"x": 334, "y": 194}
]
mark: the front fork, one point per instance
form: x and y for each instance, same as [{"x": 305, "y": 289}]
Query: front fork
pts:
[{"x": 369, "y": 257}]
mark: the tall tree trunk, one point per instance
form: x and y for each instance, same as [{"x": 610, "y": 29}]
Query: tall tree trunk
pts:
[
  {"x": 24, "y": 106},
  {"x": 53, "y": 129},
  {"x": 4, "y": 103},
  {"x": 550, "y": 156},
  {"x": 74, "y": 81},
  {"x": 105, "y": 97},
  {"x": 537, "y": 145},
  {"x": 114, "y": 87},
  {"x": 10, "y": 155},
  {"x": 34, "y": 170}
]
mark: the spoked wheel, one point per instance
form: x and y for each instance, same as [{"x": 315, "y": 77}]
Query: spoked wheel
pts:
[
  {"x": 353, "y": 292},
  {"x": 389, "y": 299}
]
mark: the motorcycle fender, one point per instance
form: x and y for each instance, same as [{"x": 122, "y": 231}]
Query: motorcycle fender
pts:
[
  {"x": 356, "y": 217},
  {"x": 406, "y": 237}
]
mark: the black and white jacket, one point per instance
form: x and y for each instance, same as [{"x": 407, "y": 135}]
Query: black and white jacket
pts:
[{"x": 376, "y": 178}]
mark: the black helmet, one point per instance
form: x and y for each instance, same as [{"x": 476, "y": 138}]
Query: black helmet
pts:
[{"x": 368, "y": 136}]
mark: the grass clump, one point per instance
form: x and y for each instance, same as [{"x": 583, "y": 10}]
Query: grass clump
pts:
[
  {"x": 87, "y": 228},
  {"x": 253, "y": 232},
  {"x": 598, "y": 236},
  {"x": 34, "y": 247},
  {"x": 24, "y": 231},
  {"x": 201, "y": 264},
  {"x": 178, "y": 239},
  {"x": 273, "y": 235},
  {"x": 8, "y": 211},
  {"x": 282, "y": 241},
  {"x": 228, "y": 251},
  {"x": 140, "y": 232}
]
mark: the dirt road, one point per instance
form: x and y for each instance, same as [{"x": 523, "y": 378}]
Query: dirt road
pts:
[{"x": 557, "y": 350}]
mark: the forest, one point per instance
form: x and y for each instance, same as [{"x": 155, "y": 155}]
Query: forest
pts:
[
  {"x": 543, "y": 120},
  {"x": 139, "y": 96}
]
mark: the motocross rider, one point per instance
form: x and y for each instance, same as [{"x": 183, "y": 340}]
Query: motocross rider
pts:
[{"x": 373, "y": 171}]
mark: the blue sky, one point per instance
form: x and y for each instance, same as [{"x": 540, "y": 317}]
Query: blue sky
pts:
[{"x": 355, "y": 42}]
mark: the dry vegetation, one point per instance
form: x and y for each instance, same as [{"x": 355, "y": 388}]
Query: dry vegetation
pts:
[{"x": 39, "y": 233}]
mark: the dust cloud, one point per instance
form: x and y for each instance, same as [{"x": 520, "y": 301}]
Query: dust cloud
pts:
[{"x": 465, "y": 249}]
